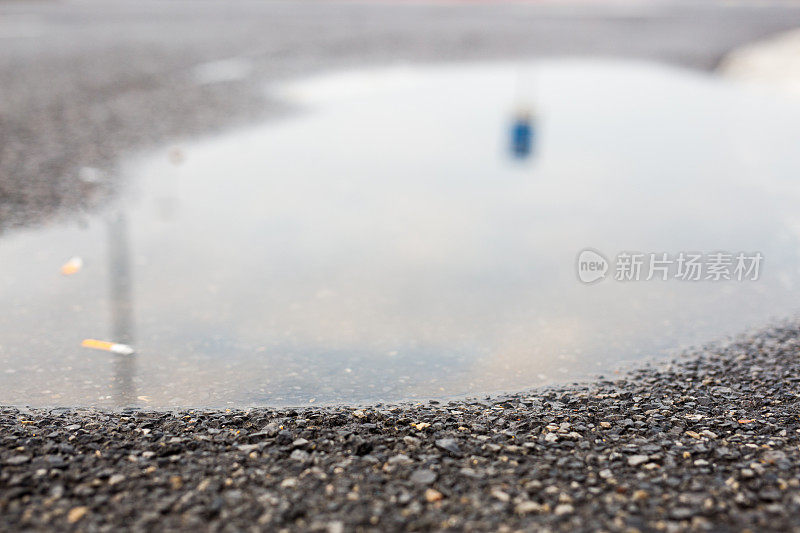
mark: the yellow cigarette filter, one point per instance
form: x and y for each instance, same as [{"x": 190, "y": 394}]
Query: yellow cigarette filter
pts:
[
  {"x": 72, "y": 266},
  {"x": 113, "y": 347}
]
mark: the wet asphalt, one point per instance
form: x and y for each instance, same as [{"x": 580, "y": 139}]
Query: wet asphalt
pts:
[
  {"x": 85, "y": 83},
  {"x": 709, "y": 443}
]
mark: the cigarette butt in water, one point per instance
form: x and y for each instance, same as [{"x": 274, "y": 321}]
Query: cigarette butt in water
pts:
[
  {"x": 72, "y": 266},
  {"x": 113, "y": 347}
]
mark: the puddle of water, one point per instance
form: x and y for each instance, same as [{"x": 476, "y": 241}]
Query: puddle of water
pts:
[{"x": 381, "y": 244}]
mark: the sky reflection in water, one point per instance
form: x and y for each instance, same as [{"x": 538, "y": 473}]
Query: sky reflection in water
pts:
[{"x": 382, "y": 244}]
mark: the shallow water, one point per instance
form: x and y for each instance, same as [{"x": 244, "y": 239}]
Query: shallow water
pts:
[{"x": 381, "y": 243}]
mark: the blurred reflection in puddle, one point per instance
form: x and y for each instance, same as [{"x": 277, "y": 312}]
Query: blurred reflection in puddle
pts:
[{"x": 383, "y": 243}]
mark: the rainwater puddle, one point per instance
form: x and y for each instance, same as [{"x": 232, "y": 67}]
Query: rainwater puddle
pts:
[{"x": 381, "y": 243}]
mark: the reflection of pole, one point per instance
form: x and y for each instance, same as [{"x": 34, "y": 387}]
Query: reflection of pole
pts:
[{"x": 121, "y": 307}]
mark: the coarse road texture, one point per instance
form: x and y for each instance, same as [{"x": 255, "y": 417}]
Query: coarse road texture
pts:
[{"x": 711, "y": 442}]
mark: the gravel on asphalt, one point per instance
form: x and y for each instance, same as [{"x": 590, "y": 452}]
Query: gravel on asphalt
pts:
[
  {"x": 707, "y": 442},
  {"x": 710, "y": 441}
]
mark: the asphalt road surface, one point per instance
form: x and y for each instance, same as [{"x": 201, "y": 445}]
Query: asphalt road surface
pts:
[
  {"x": 83, "y": 83},
  {"x": 707, "y": 444}
]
